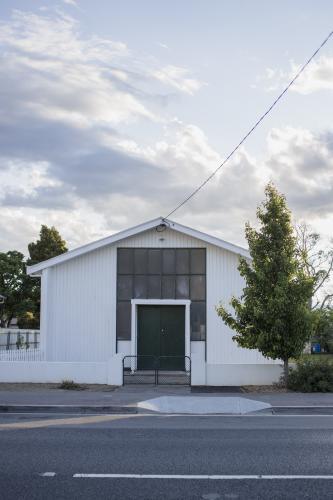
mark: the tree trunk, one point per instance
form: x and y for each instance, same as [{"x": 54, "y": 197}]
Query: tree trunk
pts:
[
  {"x": 286, "y": 371},
  {"x": 8, "y": 321}
]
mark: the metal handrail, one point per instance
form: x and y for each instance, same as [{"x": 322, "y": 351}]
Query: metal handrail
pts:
[
  {"x": 132, "y": 356},
  {"x": 135, "y": 358},
  {"x": 156, "y": 364},
  {"x": 185, "y": 358}
]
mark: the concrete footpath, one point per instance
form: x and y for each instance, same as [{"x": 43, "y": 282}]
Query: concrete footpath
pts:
[{"x": 105, "y": 399}]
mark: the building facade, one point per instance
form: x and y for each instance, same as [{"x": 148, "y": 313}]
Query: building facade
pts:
[{"x": 151, "y": 290}]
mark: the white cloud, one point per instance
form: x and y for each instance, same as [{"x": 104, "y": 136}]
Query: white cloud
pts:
[
  {"x": 74, "y": 3},
  {"x": 73, "y": 112},
  {"x": 163, "y": 45},
  {"x": 20, "y": 225},
  {"x": 61, "y": 75},
  {"x": 298, "y": 161},
  {"x": 301, "y": 164},
  {"x": 23, "y": 178},
  {"x": 178, "y": 78},
  {"x": 317, "y": 76}
]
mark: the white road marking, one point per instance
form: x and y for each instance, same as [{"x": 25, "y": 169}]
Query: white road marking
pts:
[
  {"x": 47, "y": 474},
  {"x": 200, "y": 476}
]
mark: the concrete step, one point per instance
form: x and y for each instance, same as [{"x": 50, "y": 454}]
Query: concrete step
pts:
[{"x": 165, "y": 377}]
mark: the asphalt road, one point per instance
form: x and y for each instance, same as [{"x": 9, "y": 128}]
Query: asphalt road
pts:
[{"x": 165, "y": 445}]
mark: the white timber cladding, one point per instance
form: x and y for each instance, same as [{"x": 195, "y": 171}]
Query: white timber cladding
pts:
[
  {"x": 81, "y": 312},
  {"x": 80, "y": 315}
]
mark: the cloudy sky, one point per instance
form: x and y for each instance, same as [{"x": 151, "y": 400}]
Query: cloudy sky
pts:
[{"x": 112, "y": 112}]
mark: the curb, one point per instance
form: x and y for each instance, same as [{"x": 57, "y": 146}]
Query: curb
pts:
[
  {"x": 104, "y": 410},
  {"x": 302, "y": 410},
  {"x": 66, "y": 409}
]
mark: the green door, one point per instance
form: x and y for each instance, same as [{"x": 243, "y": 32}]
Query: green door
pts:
[{"x": 161, "y": 333}]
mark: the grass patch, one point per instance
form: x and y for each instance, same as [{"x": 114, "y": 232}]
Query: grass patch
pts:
[
  {"x": 318, "y": 357},
  {"x": 70, "y": 385}
]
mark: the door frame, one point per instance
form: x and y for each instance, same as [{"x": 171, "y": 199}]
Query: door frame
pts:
[{"x": 158, "y": 302}]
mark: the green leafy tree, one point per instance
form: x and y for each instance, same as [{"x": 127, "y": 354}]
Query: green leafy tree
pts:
[
  {"x": 15, "y": 285},
  {"x": 323, "y": 327},
  {"x": 50, "y": 244},
  {"x": 272, "y": 315}
]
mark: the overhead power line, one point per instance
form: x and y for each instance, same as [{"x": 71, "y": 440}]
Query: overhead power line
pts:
[{"x": 262, "y": 117}]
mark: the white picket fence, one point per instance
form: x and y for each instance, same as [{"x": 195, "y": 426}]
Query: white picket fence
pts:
[{"x": 21, "y": 355}]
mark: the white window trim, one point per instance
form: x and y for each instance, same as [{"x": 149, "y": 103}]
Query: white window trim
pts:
[{"x": 159, "y": 302}]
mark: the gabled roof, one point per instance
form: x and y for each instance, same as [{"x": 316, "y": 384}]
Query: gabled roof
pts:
[{"x": 109, "y": 240}]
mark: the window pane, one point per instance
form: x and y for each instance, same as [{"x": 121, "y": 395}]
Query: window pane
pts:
[
  {"x": 168, "y": 287},
  {"x": 124, "y": 287},
  {"x": 182, "y": 287},
  {"x": 169, "y": 261},
  {"x": 140, "y": 261},
  {"x": 125, "y": 260},
  {"x": 154, "y": 261},
  {"x": 198, "y": 321},
  {"x": 154, "y": 287},
  {"x": 198, "y": 288},
  {"x": 198, "y": 261},
  {"x": 140, "y": 287},
  {"x": 182, "y": 261},
  {"x": 124, "y": 321}
]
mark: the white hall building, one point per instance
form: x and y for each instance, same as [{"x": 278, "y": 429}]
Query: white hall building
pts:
[{"x": 149, "y": 291}]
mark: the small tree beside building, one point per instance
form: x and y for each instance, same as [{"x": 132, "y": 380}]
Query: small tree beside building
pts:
[
  {"x": 21, "y": 291},
  {"x": 15, "y": 286},
  {"x": 50, "y": 244},
  {"x": 273, "y": 314}
]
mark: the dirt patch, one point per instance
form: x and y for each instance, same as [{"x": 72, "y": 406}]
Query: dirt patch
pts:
[
  {"x": 264, "y": 388},
  {"x": 39, "y": 387},
  {"x": 216, "y": 389}
]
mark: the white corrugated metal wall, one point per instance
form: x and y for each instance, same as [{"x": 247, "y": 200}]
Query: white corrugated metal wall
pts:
[
  {"x": 81, "y": 309},
  {"x": 80, "y": 313}
]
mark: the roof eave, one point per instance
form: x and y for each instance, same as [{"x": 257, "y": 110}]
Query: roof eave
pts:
[
  {"x": 231, "y": 247},
  {"x": 37, "y": 269},
  {"x": 95, "y": 245}
]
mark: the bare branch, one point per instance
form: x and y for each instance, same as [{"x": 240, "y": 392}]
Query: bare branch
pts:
[
  {"x": 328, "y": 298},
  {"x": 316, "y": 261}
]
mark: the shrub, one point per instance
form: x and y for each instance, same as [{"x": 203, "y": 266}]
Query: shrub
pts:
[
  {"x": 330, "y": 346},
  {"x": 311, "y": 375},
  {"x": 70, "y": 385},
  {"x": 28, "y": 321}
]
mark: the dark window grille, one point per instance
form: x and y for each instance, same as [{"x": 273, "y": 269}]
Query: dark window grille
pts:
[{"x": 161, "y": 273}]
